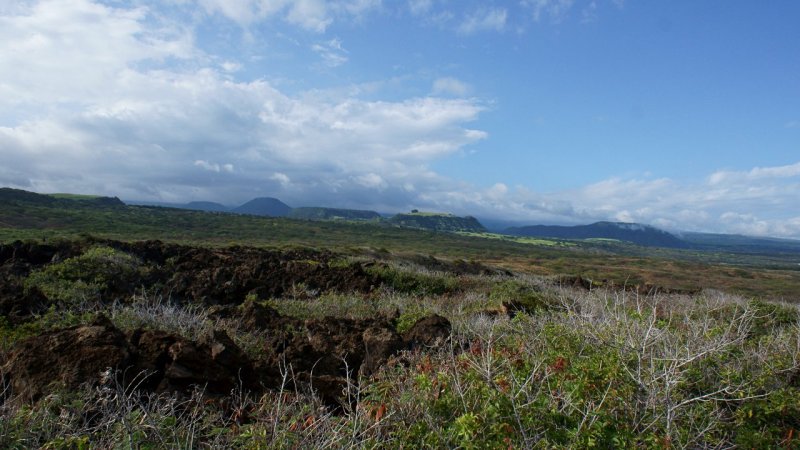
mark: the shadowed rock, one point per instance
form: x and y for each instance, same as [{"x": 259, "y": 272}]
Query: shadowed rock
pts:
[
  {"x": 155, "y": 360},
  {"x": 431, "y": 331}
]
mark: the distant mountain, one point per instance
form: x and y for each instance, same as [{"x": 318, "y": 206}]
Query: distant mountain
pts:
[
  {"x": 319, "y": 213},
  {"x": 205, "y": 206},
  {"x": 18, "y": 196},
  {"x": 635, "y": 233},
  {"x": 264, "y": 206},
  {"x": 741, "y": 244},
  {"x": 9, "y": 195},
  {"x": 438, "y": 222}
]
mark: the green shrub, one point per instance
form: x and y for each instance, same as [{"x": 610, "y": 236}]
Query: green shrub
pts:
[
  {"x": 416, "y": 283},
  {"x": 521, "y": 296},
  {"x": 99, "y": 271},
  {"x": 409, "y": 317},
  {"x": 52, "y": 319},
  {"x": 771, "y": 315}
]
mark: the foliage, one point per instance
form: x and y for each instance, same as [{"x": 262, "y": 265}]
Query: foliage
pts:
[
  {"x": 773, "y": 274},
  {"x": 604, "y": 369},
  {"x": 521, "y": 296},
  {"x": 99, "y": 271},
  {"x": 438, "y": 222},
  {"x": 317, "y": 213},
  {"x": 417, "y": 283},
  {"x": 51, "y": 319}
]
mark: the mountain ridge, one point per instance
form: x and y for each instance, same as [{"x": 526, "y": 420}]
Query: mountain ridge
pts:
[
  {"x": 636, "y": 233},
  {"x": 264, "y": 206}
]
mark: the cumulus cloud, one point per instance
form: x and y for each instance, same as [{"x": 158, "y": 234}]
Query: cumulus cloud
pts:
[
  {"x": 120, "y": 121},
  {"x": 281, "y": 178},
  {"x": 764, "y": 206},
  {"x": 760, "y": 201},
  {"x": 56, "y": 52},
  {"x": 214, "y": 167},
  {"x": 757, "y": 173},
  {"x": 93, "y": 103}
]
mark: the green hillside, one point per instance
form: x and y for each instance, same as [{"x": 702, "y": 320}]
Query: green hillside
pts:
[
  {"x": 320, "y": 213},
  {"x": 438, "y": 222},
  {"x": 26, "y": 215}
]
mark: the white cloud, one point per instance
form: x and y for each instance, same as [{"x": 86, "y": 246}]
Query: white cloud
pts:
[
  {"x": 98, "y": 108},
  {"x": 372, "y": 181},
  {"x": 214, "y": 167},
  {"x": 497, "y": 192},
  {"x": 757, "y": 173},
  {"x": 313, "y": 15},
  {"x": 331, "y": 52},
  {"x": 281, "y": 178},
  {"x": 133, "y": 127},
  {"x": 230, "y": 66},
  {"x": 451, "y": 86},
  {"x": 64, "y": 52},
  {"x": 484, "y": 20}
]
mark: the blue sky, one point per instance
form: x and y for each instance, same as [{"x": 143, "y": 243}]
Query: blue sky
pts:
[{"x": 683, "y": 114}]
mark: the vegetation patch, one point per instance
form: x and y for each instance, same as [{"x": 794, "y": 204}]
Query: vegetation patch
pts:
[
  {"x": 517, "y": 296},
  {"x": 99, "y": 272},
  {"x": 416, "y": 283}
]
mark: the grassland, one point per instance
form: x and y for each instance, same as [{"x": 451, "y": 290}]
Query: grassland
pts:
[
  {"x": 521, "y": 239},
  {"x": 766, "y": 276},
  {"x": 599, "y": 369},
  {"x": 530, "y": 361},
  {"x": 74, "y": 196}
]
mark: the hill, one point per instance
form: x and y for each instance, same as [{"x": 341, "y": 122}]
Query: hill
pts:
[
  {"x": 741, "y": 244},
  {"x": 264, "y": 206},
  {"x": 635, "y": 233},
  {"x": 438, "y": 222},
  {"x": 404, "y": 308},
  {"x": 26, "y": 215},
  {"x": 319, "y": 213},
  {"x": 206, "y": 206},
  {"x": 19, "y": 196}
]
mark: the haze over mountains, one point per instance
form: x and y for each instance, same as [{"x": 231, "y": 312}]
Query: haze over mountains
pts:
[
  {"x": 644, "y": 235},
  {"x": 635, "y": 233},
  {"x": 632, "y": 233}
]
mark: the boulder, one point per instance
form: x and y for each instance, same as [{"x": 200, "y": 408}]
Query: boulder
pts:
[{"x": 430, "y": 331}]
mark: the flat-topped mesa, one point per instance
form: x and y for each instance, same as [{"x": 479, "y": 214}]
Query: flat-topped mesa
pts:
[{"x": 438, "y": 222}]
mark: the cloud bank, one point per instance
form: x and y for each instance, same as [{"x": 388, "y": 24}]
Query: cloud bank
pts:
[{"x": 123, "y": 101}]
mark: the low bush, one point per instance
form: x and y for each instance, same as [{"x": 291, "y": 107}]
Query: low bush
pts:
[
  {"x": 101, "y": 272},
  {"x": 416, "y": 283},
  {"x": 522, "y": 296}
]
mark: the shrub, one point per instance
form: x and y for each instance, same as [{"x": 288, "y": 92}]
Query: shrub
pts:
[
  {"x": 520, "y": 296},
  {"x": 98, "y": 272},
  {"x": 416, "y": 282}
]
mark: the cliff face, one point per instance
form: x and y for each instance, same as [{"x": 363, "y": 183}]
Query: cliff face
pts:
[{"x": 438, "y": 222}]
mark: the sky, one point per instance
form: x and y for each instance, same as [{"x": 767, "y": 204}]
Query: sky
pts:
[{"x": 681, "y": 114}]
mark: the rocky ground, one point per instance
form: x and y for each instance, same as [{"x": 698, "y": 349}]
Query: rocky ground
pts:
[{"x": 323, "y": 353}]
